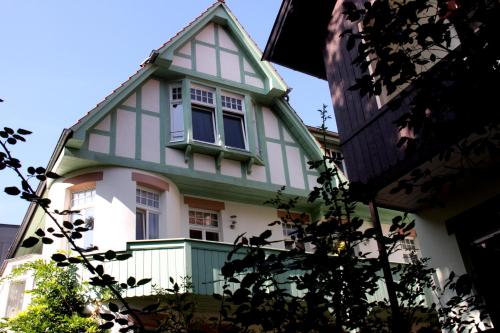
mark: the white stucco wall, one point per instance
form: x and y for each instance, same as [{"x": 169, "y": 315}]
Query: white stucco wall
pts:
[
  {"x": 115, "y": 209},
  {"x": 99, "y": 143},
  {"x": 276, "y": 165},
  {"x": 150, "y": 141},
  {"x": 104, "y": 124},
  {"x": 181, "y": 62},
  {"x": 131, "y": 101},
  {"x": 295, "y": 167},
  {"x": 271, "y": 128},
  {"x": 230, "y": 66},
  {"x": 151, "y": 96},
  {"x": 125, "y": 133},
  {"x": 205, "y": 59},
  {"x": 207, "y": 34},
  {"x": 225, "y": 40}
]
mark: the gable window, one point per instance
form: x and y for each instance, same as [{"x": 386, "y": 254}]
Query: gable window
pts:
[
  {"x": 234, "y": 121},
  {"x": 83, "y": 201},
  {"x": 176, "y": 114},
  {"x": 204, "y": 224},
  {"x": 147, "y": 215},
  {"x": 203, "y": 114}
]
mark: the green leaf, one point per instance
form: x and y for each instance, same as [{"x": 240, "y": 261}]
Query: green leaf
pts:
[
  {"x": 23, "y": 131},
  {"x": 47, "y": 240},
  {"x": 131, "y": 281},
  {"x": 113, "y": 307},
  {"x": 12, "y": 190},
  {"x": 124, "y": 256},
  {"x": 68, "y": 225},
  {"x": 40, "y": 232},
  {"x": 58, "y": 257},
  {"x": 107, "y": 316},
  {"x": 99, "y": 269},
  {"x": 75, "y": 260},
  {"x": 30, "y": 242},
  {"x": 143, "y": 281},
  {"x": 106, "y": 325},
  {"x": 79, "y": 222},
  {"x": 52, "y": 175},
  {"x": 98, "y": 257},
  {"x": 110, "y": 254}
]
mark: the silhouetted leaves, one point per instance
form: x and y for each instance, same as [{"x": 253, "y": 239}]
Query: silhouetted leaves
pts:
[
  {"x": 30, "y": 242},
  {"x": 12, "y": 190},
  {"x": 58, "y": 257}
]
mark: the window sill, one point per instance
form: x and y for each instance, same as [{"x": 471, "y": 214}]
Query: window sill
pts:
[{"x": 219, "y": 152}]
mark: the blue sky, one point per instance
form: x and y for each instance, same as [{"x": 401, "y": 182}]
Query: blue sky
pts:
[{"x": 58, "y": 59}]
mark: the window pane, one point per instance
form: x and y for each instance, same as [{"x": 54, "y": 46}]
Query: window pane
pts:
[
  {"x": 212, "y": 236},
  {"x": 153, "y": 225},
  {"x": 203, "y": 126},
  {"x": 139, "y": 225},
  {"x": 233, "y": 132},
  {"x": 195, "y": 234},
  {"x": 15, "y": 298}
]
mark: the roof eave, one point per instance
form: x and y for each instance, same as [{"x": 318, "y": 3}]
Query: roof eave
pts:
[
  {"x": 63, "y": 139},
  {"x": 302, "y": 51}
]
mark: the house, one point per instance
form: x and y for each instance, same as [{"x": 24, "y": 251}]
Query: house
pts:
[
  {"x": 176, "y": 163},
  {"x": 7, "y": 234},
  {"x": 462, "y": 236}
]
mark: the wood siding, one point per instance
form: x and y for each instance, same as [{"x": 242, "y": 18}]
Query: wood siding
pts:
[{"x": 368, "y": 134}]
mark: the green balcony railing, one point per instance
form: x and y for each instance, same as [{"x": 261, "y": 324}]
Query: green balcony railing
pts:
[{"x": 202, "y": 261}]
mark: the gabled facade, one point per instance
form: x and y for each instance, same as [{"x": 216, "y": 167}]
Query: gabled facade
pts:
[
  {"x": 463, "y": 235},
  {"x": 176, "y": 163}
]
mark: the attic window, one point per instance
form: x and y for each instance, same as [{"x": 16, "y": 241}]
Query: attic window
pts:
[
  {"x": 234, "y": 120},
  {"x": 176, "y": 114},
  {"x": 203, "y": 114}
]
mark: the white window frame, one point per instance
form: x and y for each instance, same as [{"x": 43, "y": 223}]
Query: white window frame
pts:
[
  {"x": 204, "y": 106},
  {"x": 176, "y": 108},
  {"x": 236, "y": 113},
  {"x": 87, "y": 236},
  {"x": 205, "y": 228},
  {"x": 147, "y": 209},
  {"x": 289, "y": 230}
]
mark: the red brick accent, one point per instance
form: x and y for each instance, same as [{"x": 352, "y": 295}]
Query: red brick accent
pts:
[
  {"x": 150, "y": 181},
  {"x": 204, "y": 203}
]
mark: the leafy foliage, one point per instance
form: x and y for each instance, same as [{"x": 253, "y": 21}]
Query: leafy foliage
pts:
[
  {"x": 58, "y": 302},
  {"x": 331, "y": 288}
]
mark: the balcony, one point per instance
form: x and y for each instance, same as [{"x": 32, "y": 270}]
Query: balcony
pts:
[{"x": 178, "y": 258}]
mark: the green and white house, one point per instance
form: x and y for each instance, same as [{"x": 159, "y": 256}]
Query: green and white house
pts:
[{"x": 177, "y": 162}]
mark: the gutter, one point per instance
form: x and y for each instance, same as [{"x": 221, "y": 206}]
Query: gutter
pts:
[
  {"x": 42, "y": 186},
  {"x": 276, "y": 30}
]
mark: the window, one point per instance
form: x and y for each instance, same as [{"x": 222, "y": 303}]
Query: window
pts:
[
  {"x": 289, "y": 225},
  {"x": 205, "y": 117},
  {"x": 176, "y": 114},
  {"x": 234, "y": 121},
  {"x": 147, "y": 215},
  {"x": 83, "y": 201},
  {"x": 15, "y": 298},
  {"x": 409, "y": 250},
  {"x": 203, "y": 114},
  {"x": 289, "y": 231},
  {"x": 204, "y": 224}
]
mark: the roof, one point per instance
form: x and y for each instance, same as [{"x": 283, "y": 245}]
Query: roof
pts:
[
  {"x": 298, "y": 36},
  {"x": 148, "y": 67}
]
